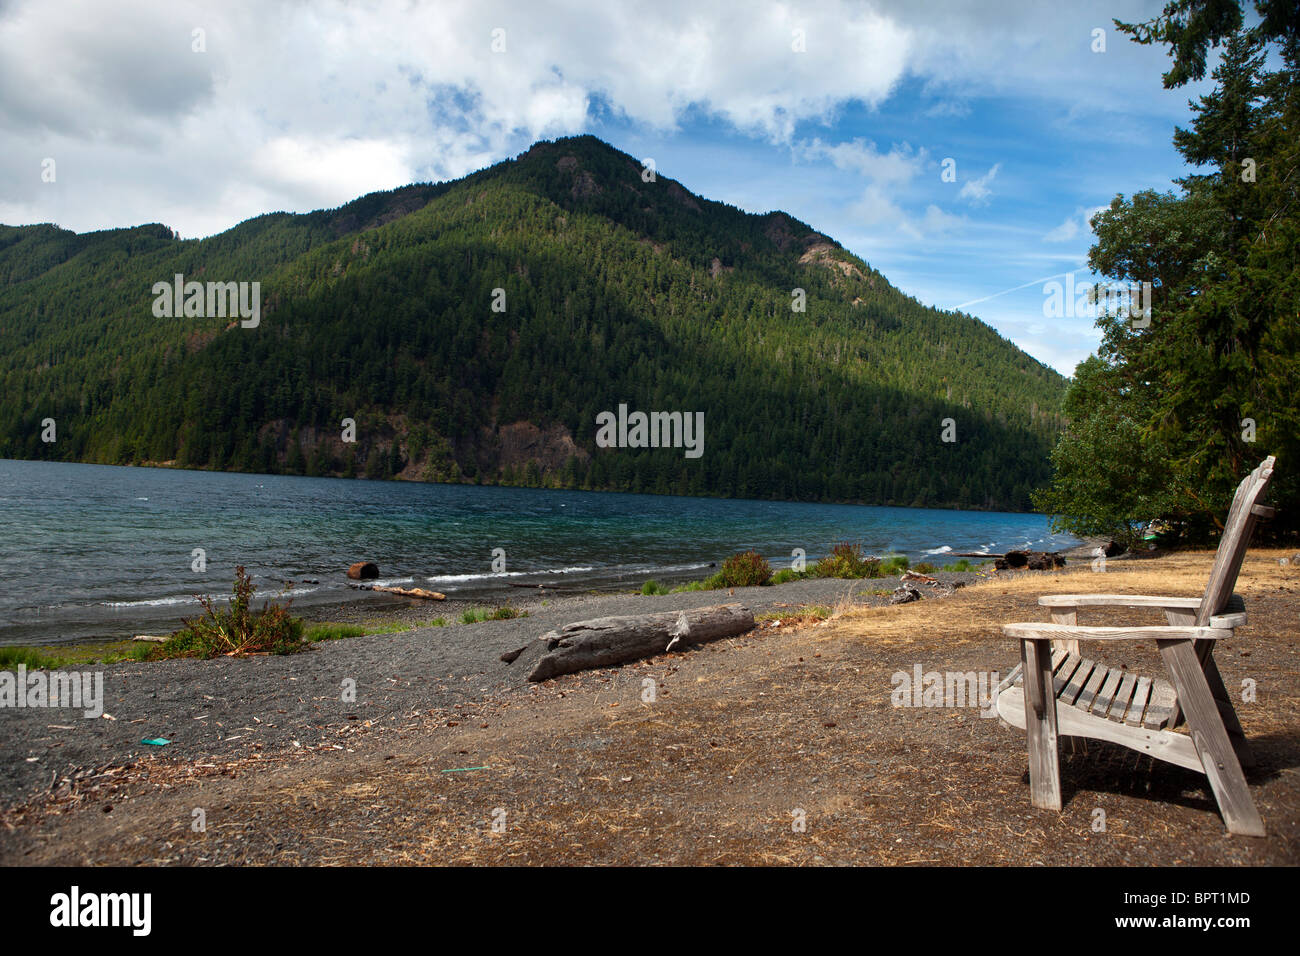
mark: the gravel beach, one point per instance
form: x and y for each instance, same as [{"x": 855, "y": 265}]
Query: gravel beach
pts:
[{"x": 228, "y": 708}]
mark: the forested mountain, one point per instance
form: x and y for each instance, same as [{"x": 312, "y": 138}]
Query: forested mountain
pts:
[{"x": 616, "y": 290}]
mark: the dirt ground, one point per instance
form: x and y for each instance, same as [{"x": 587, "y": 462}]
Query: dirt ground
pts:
[{"x": 780, "y": 747}]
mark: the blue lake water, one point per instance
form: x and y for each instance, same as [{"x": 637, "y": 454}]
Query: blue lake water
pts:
[{"x": 98, "y": 551}]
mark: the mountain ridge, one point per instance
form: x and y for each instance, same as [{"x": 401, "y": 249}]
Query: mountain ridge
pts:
[{"x": 380, "y": 310}]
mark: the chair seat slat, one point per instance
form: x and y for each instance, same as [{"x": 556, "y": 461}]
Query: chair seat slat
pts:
[
  {"x": 1125, "y": 694},
  {"x": 1106, "y": 695},
  {"x": 1141, "y": 694},
  {"x": 1161, "y": 705}
]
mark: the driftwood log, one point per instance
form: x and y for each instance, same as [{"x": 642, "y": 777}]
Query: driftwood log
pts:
[
  {"x": 404, "y": 592},
  {"x": 363, "y": 570},
  {"x": 609, "y": 641},
  {"x": 1030, "y": 560}
]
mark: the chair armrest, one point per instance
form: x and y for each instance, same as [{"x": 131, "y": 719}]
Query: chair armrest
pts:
[
  {"x": 1030, "y": 632},
  {"x": 1118, "y": 600}
]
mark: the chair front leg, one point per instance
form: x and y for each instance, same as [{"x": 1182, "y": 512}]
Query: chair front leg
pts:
[{"x": 1040, "y": 724}]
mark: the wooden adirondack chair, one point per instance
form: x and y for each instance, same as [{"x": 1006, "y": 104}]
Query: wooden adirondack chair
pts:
[{"x": 1057, "y": 690}]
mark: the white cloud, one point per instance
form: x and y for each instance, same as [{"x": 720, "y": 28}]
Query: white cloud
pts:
[
  {"x": 937, "y": 222},
  {"x": 299, "y": 104},
  {"x": 901, "y": 164},
  {"x": 1066, "y": 231},
  {"x": 1074, "y": 225},
  {"x": 977, "y": 191}
]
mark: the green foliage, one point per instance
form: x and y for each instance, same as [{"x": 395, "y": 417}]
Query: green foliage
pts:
[
  {"x": 11, "y": 657},
  {"x": 653, "y": 587},
  {"x": 237, "y": 630},
  {"x": 893, "y": 564},
  {"x": 745, "y": 570},
  {"x": 925, "y": 567},
  {"x": 959, "y": 565},
  {"x": 332, "y": 632},
  {"x": 846, "y": 560},
  {"x": 1190, "y": 27},
  {"x": 1166, "y": 420},
  {"x": 475, "y": 614},
  {"x": 615, "y": 288},
  {"x": 790, "y": 574}
]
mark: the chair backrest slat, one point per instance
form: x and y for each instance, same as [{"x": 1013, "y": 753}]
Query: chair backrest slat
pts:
[{"x": 1232, "y": 546}]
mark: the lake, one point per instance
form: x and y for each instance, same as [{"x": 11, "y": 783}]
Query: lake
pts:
[{"x": 99, "y": 551}]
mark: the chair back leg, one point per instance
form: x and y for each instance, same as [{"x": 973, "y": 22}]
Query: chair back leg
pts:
[{"x": 1210, "y": 738}]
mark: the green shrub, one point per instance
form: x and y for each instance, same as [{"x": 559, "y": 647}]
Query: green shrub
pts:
[
  {"x": 237, "y": 630},
  {"x": 786, "y": 574},
  {"x": 961, "y": 565},
  {"x": 653, "y": 587},
  {"x": 925, "y": 567},
  {"x": 745, "y": 570},
  {"x": 893, "y": 564},
  {"x": 847, "y": 561}
]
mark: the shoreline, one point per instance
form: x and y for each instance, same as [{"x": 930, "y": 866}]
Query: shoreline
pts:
[
  {"x": 219, "y": 708},
  {"x": 386, "y": 611}
]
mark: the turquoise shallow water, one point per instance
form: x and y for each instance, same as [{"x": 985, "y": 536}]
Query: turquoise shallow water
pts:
[{"x": 93, "y": 550}]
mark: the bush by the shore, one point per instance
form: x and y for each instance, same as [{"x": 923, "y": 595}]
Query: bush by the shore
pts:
[
  {"x": 846, "y": 560},
  {"x": 235, "y": 631}
]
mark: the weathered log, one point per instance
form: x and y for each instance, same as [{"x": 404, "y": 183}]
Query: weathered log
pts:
[
  {"x": 403, "y": 592},
  {"x": 910, "y": 575},
  {"x": 609, "y": 641},
  {"x": 363, "y": 570}
]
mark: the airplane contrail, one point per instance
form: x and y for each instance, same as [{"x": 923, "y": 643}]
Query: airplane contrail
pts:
[{"x": 1021, "y": 286}]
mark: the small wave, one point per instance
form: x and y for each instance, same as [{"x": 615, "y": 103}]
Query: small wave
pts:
[
  {"x": 674, "y": 567},
  {"x": 943, "y": 550},
  {"x": 385, "y": 582},
  {"x": 153, "y": 602},
  {"x": 172, "y": 601},
  {"x": 452, "y": 578},
  {"x": 141, "y": 499}
]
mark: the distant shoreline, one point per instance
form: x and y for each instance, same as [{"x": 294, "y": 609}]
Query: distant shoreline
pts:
[{"x": 164, "y": 466}]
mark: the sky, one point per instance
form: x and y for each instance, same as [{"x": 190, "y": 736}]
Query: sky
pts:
[{"x": 844, "y": 114}]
